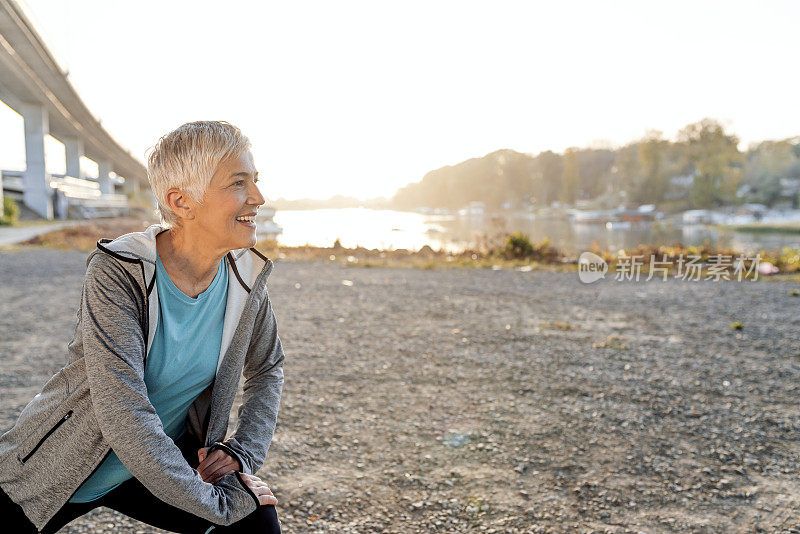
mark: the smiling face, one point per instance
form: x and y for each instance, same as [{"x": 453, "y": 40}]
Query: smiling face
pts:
[{"x": 231, "y": 195}]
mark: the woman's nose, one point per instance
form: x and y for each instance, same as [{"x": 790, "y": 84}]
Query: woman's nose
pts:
[{"x": 256, "y": 197}]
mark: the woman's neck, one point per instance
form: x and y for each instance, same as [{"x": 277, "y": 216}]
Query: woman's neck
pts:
[{"x": 190, "y": 262}]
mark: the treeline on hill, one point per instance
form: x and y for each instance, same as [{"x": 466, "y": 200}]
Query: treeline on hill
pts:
[{"x": 702, "y": 168}]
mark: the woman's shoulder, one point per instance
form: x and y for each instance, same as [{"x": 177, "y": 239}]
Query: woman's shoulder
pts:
[
  {"x": 100, "y": 262},
  {"x": 110, "y": 272}
]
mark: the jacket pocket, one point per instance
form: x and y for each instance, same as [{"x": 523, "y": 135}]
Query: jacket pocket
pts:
[{"x": 47, "y": 435}]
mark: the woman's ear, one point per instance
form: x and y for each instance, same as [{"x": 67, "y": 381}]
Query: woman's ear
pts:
[{"x": 180, "y": 203}]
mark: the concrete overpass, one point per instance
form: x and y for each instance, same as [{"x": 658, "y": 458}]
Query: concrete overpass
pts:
[{"x": 33, "y": 85}]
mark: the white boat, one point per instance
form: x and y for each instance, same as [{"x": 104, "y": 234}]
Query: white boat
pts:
[
  {"x": 589, "y": 217},
  {"x": 474, "y": 209},
  {"x": 697, "y": 217},
  {"x": 266, "y": 228}
]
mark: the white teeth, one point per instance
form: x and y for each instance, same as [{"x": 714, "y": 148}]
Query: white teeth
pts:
[{"x": 245, "y": 219}]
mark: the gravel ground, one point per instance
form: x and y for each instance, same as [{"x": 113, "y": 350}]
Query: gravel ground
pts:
[{"x": 493, "y": 401}]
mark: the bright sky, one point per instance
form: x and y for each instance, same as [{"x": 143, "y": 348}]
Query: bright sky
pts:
[{"x": 361, "y": 98}]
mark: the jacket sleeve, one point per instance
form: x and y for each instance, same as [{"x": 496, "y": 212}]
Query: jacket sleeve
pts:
[
  {"x": 114, "y": 347},
  {"x": 263, "y": 373}
]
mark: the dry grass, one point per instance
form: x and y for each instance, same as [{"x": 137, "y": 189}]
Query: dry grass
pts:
[{"x": 84, "y": 237}]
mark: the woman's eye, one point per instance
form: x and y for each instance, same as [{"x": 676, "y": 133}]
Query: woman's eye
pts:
[{"x": 238, "y": 182}]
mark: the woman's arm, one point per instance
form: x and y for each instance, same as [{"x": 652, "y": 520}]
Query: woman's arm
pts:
[
  {"x": 114, "y": 348},
  {"x": 263, "y": 373}
]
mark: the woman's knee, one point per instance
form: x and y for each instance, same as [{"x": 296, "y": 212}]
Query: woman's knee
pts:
[{"x": 263, "y": 519}]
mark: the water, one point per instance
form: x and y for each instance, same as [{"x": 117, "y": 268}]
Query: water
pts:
[
  {"x": 386, "y": 229},
  {"x": 382, "y": 229}
]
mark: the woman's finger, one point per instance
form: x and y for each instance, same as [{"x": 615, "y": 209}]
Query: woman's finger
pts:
[
  {"x": 219, "y": 473},
  {"x": 217, "y": 467},
  {"x": 269, "y": 492},
  {"x": 261, "y": 489},
  {"x": 210, "y": 462},
  {"x": 267, "y": 499},
  {"x": 264, "y": 488}
]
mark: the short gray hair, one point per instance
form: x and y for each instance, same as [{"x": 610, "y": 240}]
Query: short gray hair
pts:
[{"x": 187, "y": 158}]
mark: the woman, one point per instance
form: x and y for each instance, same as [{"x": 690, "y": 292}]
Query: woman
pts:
[{"x": 169, "y": 319}]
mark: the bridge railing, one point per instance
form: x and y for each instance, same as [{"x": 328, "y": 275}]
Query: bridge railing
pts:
[{"x": 76, "y": 197}]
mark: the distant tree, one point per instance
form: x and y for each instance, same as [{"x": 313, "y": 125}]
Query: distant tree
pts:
[
  {"x": 628, "y": 167},
  {"x": 517, "y": 177},
  {"x": 496, "y": 178},
  {"x": 570, "y": 176},
  {"x": 716, "y": 160},
  {"x": 640, "y": 171},
  {"x": 654, "y": 182},
  {"x": 594, "y": 167},
  {"x": 765, "y": 164},
  {"x": 549, "y": 168}
]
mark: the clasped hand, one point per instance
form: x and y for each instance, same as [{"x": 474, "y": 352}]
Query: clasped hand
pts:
[
  {"x": 219, "y": 463},
  {"x": 215, "y": 465}
]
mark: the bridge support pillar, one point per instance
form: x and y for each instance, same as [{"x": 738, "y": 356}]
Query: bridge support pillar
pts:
[
  {"x": 103, "y": 170},
  {"x": 73, "y": 148},
  {"x": 37, "y": 194}
]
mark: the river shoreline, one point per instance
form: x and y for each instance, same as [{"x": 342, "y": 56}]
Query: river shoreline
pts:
[{"x": 513, "y": 252}]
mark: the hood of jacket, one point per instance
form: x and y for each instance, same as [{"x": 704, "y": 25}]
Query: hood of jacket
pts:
[{"x": 245, "y": 267}]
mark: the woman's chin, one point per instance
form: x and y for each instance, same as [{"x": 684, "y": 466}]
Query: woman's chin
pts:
[
  {"x": 243, "y": 244},
  {"x": 249, "y": 243},
  {"x": 244, "y": 238},
  {"x": 236, "y": 244}
]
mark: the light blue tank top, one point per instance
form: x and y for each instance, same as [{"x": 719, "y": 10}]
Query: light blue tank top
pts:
[{"x": 181, "y": 363}]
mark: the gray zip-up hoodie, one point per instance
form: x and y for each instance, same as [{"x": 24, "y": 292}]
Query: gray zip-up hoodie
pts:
[{"x": 98, "y": 401}]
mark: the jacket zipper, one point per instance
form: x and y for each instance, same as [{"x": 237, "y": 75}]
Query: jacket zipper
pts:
[
  {"x": 58, "y": 424},
  {"x": 146, "y": 297},
  {"x": 144, "y": 365}
]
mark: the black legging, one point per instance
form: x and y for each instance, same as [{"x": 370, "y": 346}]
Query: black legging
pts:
[{"x": 134, "y": 500}]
